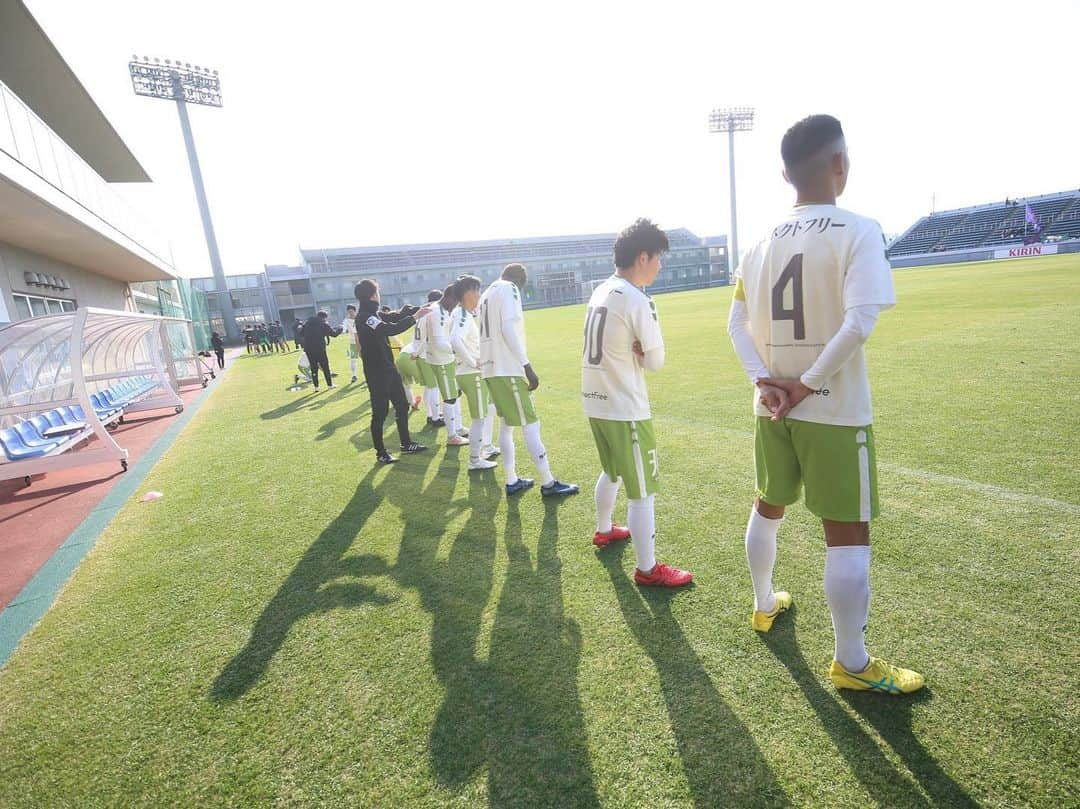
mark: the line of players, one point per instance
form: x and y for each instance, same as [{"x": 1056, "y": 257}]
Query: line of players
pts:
[{"x": 806, "y": 300}]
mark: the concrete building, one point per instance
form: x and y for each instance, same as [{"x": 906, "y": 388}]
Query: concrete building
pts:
[
  {"x": 562, "y": 270},
  {"x": 67, "y": 239}
]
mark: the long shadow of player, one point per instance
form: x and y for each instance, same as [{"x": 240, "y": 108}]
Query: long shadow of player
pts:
[
  {"x": 310, "y": 588},
  {"x": 723, "y": 764},
  {"x": 886, "y": 784},
  {"x": 537, "y": 748},
  {"x": 346, "y": 419}
]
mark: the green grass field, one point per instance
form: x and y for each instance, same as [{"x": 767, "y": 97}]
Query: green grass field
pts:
[{"x": 291, "y": 625}]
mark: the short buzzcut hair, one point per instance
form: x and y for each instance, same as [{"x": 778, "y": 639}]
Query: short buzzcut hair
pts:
[
  {"x": 321, "y": 314},
  {"x": 365, "y": 290},
  {"x": 641, "y": 237},
  {"x": 434, "y": 295},
  {"x": 805, "y": 141},
  {"x": 350, "y": 306}
]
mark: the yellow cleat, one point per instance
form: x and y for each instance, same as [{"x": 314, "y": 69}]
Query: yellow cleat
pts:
[
  {"x": 878, "y": 676},
  {"x": 762, "y": 621}
]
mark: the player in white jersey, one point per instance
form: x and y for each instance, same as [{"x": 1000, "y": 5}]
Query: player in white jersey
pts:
[
  {"x": 352, "y": 347},
  {"x": 439, "y": 354},
  {"x": 422, "y": 339},
  {"x": 622, "y": 341},
  {"x": 511, "y": 379},
  {"x": 465, "y": 338},
  {"x": 806, "y": 300}
]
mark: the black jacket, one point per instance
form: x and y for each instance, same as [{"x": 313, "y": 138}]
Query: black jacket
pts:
[
  {"x": 374, "y": 330},
  {"x": 315, "y": 332},
  {"x": 217, "y": 343}
]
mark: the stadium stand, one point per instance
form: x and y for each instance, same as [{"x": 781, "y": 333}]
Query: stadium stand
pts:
[{"x": 992, "y": 225}]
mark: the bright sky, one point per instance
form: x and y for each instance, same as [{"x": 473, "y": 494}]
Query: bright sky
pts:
[{"x": 375, "y": 123}]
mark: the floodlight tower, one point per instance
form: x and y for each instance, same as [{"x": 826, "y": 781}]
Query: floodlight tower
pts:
[
  {"x": 183, "y": 82},
  {"x": 732, "y": 120}
]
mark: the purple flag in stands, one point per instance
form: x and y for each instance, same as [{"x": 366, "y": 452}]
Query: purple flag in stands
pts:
[{"x": 1030, "y": 218}]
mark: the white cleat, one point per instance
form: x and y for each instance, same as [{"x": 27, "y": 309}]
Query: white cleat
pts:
[
  {"x": 490, "y": 452},
  {"x": 457, "y": 441},
  {"x": 480, "y": 463}
]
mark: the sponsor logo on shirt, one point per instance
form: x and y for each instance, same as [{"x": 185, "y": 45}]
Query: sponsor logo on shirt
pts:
[
  {"x": 373, "y": 322},
  {"x": 595, "y": 395}
]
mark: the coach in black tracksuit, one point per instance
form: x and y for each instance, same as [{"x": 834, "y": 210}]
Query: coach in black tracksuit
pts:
[
  {"x": 384, "y": 383},
  {"x": 315, "y": 333}
]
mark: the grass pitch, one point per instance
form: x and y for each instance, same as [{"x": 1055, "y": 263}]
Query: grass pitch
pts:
[{"x": 291, "y": 625}]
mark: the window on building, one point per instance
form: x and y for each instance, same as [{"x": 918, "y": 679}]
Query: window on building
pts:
[{"x": 27, "y": 306}]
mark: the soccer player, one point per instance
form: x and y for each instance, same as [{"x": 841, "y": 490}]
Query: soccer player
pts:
[
  {"x": 465, "y": 338},
  {"x": 622, "y": 341},
  {"x": 439, "y": 354},
  {"x": 315, "y": 334},
  {"x": 427, "y": 375},
  {"x": 352, "y": 348},
  {"x": 408, "y": 371},
  {"x": 511, "y": 379},
  {"x": 806, "y": 300}
]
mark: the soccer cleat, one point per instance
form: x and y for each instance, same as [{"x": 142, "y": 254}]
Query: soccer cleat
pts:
[
  {"x": 385, "y": 458},
  {"x": 463, "y": 433},
  {"x": 878, "y": 676},
  {"x": 413, "y": 447},
  {"x": 616, "y": 534},
  {"x": 354, "y": 379},
  {"x": 557, "y": 489},
  {"x": 457, "y": 441},
  {"x": 416, "y": 404},
  {"x": 490, "y": 452},
  {"x": 663, "y": 576},
  {"x": 521, "y": 485},
  {"x": 762, "y": 621},
  {"x": 480, "y": 463},
  {"x": 331, "y": 386},
  {"x": 436, "y": 423}
]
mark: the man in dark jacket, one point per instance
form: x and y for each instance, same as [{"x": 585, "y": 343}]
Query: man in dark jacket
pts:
[
  {"x": 297, "y": 330},
  {"x": 314, "y": 335},
  {"x": 373, "y": 330},
  {"x": 219, "y": 348}
]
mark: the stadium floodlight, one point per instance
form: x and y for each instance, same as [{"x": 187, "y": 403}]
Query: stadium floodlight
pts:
[
  {"x": 732, "y": 120},
  {"x": 185, "y": 85}
]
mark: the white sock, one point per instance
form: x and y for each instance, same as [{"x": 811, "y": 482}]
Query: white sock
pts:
[
  {"x": 506, "y": 448},
  {"x": 450, "y": 411},
  {"x": 476, "y": 439},
  {"x": 641, "y": 520},
  {"x": 431, "y": 396},
  {"x": 489, "y": 425},
  {"x": 847, "y": 589},
  {"x": 538, "y": 453},
  {"x": 459, "y": 421},
  {"x": 352, "y": 364},
  {"x": 606, "y": 492},
  {"x": 761, "y": 556}
]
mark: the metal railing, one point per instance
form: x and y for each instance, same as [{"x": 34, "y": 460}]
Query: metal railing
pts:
[{"x": 30, "y": 141}]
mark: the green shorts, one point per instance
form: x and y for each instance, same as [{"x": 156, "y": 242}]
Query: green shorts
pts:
[
  {"x": 628, "y": 451},
  {"x": 512, "y": 399},
  {"x": 426, "y": 374},
  {"x": 475, "y": 392},
  {"x": 837, "y": 465},
  {"x": 445, "y": 380},
  {"x": 408, "y": 369}
]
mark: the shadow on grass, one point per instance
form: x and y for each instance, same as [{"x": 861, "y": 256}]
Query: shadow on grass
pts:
[
  {"x": 312, "y": 400},
  {"x": 311, "y": 587},
  {"x": 890, "y": 716},
  {"x": 518, "y": 713},
  {"x": 347, "y": 419},
  {"x": 723, "y": 764}
]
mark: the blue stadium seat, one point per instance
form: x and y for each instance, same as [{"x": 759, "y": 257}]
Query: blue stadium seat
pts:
[
  {"x": 17, "y": 450},
  {"x": 28, "y": 432}
]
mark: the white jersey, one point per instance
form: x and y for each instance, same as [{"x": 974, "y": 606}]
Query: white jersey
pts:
[
  {"x": 798, "y": 282},
  {"x": 500, "y": 309},
  {"x": 433, "y": 337},
  {"x": 463, "y": 328},
  {"x": 612, "y": 378},
  {"x": 348, "y": 326}
]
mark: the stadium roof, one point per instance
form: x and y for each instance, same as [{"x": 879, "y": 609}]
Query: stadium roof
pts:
[{"x": 36, "y": 72}]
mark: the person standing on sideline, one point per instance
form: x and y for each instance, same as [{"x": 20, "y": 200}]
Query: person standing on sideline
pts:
[
  {"x": 316, "y": 332},
  {"x": 806, "y": 299},
  {"x": 511, "y": 379},
  {"x": 622, "y": 342},
  {"x": 384, "y": 384},
  {"x": 219, "y": 348},
  {"x": 465, "y": 338},
  {"x": 348, "y": 328},
  {"x": 298, "y": 331}
]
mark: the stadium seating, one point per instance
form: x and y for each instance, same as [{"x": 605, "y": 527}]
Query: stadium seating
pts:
[
  {"x": 991, "y": 225},
  {"x": 61, "y": 428}
]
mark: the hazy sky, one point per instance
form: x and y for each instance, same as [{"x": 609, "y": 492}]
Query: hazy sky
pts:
[{"x": 374, "y": 123}]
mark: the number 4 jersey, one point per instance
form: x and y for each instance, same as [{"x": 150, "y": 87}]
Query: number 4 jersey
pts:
[
  {"x": 816, "y": 264},
  {"x": 612, "y": 379}
]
